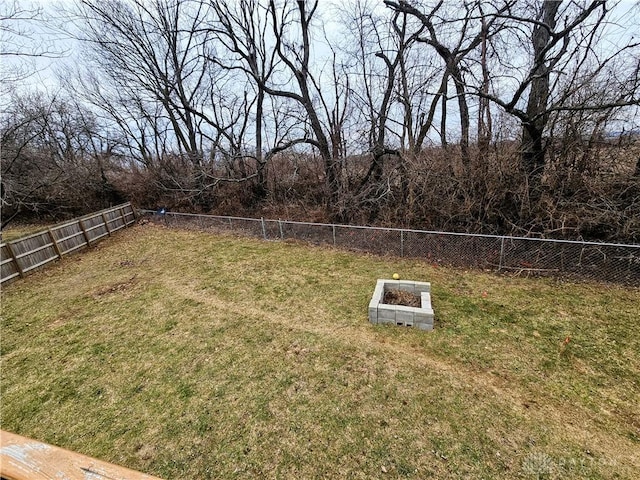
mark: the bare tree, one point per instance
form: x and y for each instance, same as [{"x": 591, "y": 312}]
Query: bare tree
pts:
[
  {"x": 154, "y": 51},
  {"x": 55, "y": 158},
  {"x": 272, "y": 43},
  {"x": 453, "y": 49},
  {"x": 563, "y": 61},
  {"x": 485, "y": 123},
  {"x": 20, "y": 46},
  {"x": 380, "y": 93},
  {"x": 291, "y": 29},
  {"x": 243, "y": 30},
  {"x": 165, "y": 92}
]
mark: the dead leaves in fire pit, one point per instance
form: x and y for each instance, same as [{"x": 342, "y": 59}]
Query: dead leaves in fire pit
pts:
[{"x": 400, "y": 297}]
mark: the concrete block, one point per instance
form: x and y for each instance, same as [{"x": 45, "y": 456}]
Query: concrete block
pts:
[
  {"x": 378, "y": 293},
  {"x": 425, "y": 300},
  {"x": 400, "y": 324},
  {"x": 424, "y": 317},
  {"x": 420, "y": 287},
  {"x": 406, "y": 286},
  {"x": 373, "y": 314},
  {"x": 386, "y": 312},
  {"x": 405, "y": 316}
]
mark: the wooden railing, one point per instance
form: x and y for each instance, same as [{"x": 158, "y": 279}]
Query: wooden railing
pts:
[
  {"x": 21, "y": 256},
  {"x": 24, "y": 459}
]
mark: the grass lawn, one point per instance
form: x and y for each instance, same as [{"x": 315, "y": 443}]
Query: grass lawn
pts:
[{"x": 193, "y": 355}]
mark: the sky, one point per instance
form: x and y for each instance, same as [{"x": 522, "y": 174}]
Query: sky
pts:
[
  {"x": 36, "y": 43},
  {"x": 53, "y": 34}
]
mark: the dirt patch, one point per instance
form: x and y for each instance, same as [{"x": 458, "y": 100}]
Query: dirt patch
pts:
[
  {"x": 146, "y": 451},
  {"x": 400, "y": 297},
  {"x": 116, "y": 287}
]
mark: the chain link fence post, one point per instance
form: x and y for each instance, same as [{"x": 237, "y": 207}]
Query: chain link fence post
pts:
[{"x": 264, "y": 229}]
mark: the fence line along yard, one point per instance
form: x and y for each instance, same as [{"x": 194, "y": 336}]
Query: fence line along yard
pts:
[
  {"x": 611, "y": 262},
  {"x": 21, "y": 256}
]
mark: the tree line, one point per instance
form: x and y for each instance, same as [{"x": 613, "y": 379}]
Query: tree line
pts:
[{"x": 499, "y": 116}]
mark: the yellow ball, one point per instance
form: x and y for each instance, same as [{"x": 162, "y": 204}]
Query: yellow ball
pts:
[{"x": 396, "y": 276}]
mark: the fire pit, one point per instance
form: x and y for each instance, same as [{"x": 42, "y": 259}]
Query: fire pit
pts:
[{"x": 402, "y": 315}]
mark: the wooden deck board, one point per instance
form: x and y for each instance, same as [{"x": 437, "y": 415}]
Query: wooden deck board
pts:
[{"x": 25, "y": 459}]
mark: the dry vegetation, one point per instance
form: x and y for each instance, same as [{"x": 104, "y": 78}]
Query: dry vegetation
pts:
[
  {"x": 421, "y": 192},
  {"x": 19, "y": 230},
  {"x": 192, "y": 355}
]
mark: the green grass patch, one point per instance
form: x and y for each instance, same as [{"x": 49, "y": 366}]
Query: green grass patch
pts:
[{"x": 193, "y": 355}]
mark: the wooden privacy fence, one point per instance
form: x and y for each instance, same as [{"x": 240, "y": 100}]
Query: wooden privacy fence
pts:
[{"x": 21, "y": 256}]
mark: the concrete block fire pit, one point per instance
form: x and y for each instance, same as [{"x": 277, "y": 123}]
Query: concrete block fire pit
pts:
[{"x": 401, "y": 315}]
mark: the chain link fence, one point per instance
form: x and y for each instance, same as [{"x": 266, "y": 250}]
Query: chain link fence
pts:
[{"x": 610, "y": 262}]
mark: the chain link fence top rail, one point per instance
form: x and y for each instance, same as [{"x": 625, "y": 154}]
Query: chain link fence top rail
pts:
[{"x": 610, "y": 262}]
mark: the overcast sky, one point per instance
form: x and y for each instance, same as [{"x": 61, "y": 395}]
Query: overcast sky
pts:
[{"x": 49, "y": 35}]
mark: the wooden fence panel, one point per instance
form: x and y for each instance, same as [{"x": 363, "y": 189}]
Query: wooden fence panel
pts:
[
  {"x": 25, "y": 254},
  {"x": 9, "y": 269},
  {"x": 94, "y": 227},
  {"x": 128, "y": 214},
  {"x": 69, "y": 237},
  {"x": 115, "y": 220},
  {"x": 33, "y": 251}
]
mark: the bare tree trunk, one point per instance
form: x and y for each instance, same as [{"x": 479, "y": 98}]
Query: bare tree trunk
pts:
[
  {"x": 533, "y": 151},
  {"x": 298, "y": 65},
  {"x": 463, "y": 112},
  {"x": 427, "y": 122},
  {"x": 405, "y": 99},
  {"x": 261, "y": 166},
  {"x": 484, "y": 111},
  {"x": 443, "y": 110}
]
